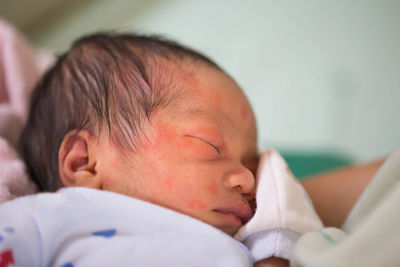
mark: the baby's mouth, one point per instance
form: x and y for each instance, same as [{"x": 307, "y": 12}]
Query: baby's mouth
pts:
[{"x": 242, "y": 212}]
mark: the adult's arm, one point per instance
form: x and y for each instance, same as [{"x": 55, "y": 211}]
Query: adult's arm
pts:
[
  {"x": 334, "y": 193},
  {"x": 272, "y": 262}
]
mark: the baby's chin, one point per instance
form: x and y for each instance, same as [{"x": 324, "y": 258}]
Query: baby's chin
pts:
[
  {"x": 229, "y": 230},
  {"x": 233, "y": 227}
]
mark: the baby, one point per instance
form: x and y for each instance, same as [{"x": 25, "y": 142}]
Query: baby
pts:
[
  {"x": 128, "y": 134},
  {"x": 152, "y": 120},
  {"x": 146, "y": 118}
]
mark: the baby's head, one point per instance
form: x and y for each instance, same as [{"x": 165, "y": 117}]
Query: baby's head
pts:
[{"x": 147, "y": 118}]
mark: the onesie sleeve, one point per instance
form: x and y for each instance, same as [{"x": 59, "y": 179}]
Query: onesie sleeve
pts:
[
  {"x": 277, "y": 242},
  {"x": 19, "y": 238}
]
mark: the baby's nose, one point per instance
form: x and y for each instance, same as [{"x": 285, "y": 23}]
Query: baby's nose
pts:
[{"x": 242, "y": 180}]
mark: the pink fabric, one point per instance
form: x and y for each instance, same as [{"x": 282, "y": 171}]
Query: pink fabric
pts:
[
  {"x": 14, "y": 181},
  {"x": 20, "y": 68}
]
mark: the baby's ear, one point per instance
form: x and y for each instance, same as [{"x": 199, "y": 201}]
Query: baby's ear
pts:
[{"x": 77, "y": 160}]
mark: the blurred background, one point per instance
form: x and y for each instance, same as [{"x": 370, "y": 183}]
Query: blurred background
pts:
[{"x": 323, "y": 76}]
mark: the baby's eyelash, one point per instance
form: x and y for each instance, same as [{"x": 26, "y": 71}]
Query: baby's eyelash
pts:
[
  {"x": 207, "y": 142},
  {"x": 211, "y": 144},
  {"x": 214, "y": 146}
]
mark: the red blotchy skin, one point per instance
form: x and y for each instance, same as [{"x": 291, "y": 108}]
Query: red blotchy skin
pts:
[
  {"x": 214, "y": 97},
  {"x": 195, "y": 157},
  {"x": 190, "y": 79},
  {"x": 162, "y": 136},
  {"x": 217, "y": 99},
  {"x": 244, "y": 111},
  {"x": 168, "y": 182},
  {"x": 213, "y": 189},
  {"x": 196, "y": 205},
  {"x": 166, "y": 137}
]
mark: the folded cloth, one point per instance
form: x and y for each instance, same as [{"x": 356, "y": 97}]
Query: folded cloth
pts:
[
  {"x": 371, "y": 234},
  {"x": 20, "y": 68},
  {"x": 284, "y": 211}
]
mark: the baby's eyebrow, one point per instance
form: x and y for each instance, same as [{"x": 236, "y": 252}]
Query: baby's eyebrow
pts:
[{"x": 196, "y": 110}]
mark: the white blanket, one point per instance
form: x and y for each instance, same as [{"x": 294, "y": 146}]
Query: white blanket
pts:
[{"x": 87, "y": 227}]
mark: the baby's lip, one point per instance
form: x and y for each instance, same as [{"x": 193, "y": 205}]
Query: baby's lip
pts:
[{"x": 241, "y": 211}]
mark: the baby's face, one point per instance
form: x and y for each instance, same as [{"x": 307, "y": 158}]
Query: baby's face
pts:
[{"x": 199, "y": 156}]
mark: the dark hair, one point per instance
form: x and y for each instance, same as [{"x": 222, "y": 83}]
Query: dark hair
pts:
[{"x": 110, "y": 79}]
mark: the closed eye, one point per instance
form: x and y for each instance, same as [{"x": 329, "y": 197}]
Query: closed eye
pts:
[
  {"x": 207, "y": 142},
  {"x": 211, "y": 144}
]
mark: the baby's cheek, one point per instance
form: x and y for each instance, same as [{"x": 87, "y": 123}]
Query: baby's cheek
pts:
[
  {"x": 200, "y": 198},
  {"x": 179, "y": 192},
  {"x": 213, "y": 189},
  {"x": 196, "y": 205},
  {"x": 167, "y": 182},
  {"x": 189, "y": 196}
]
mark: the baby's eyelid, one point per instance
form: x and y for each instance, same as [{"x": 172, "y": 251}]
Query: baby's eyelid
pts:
[{"x": 207, "y": 142}]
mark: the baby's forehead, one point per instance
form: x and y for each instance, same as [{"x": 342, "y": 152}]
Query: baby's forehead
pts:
[
  {"x": 200, "y": 92},
  {"x": 214, "y": 96}
]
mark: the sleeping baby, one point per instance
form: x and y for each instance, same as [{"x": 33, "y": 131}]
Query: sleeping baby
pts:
[{"x": 147, "y": 144}]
